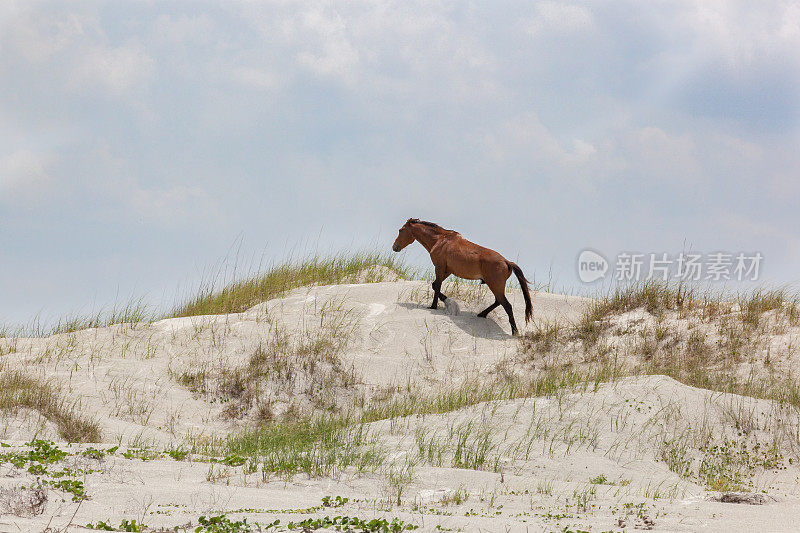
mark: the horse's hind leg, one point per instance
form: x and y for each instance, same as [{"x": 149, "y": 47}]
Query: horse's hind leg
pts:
[
  {"x": 489, "y": 309},
  {"x": 498, "y": 288},
  {"x": 507, "y": 306}
]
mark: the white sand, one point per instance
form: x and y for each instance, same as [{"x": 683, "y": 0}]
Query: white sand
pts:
[{"x": 541, "y": 453}]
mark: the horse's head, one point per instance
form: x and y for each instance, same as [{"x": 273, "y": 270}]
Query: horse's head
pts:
[{"x": 404, "y": 237}]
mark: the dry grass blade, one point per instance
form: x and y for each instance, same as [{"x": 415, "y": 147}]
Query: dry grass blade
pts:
[
  {"x": 19, "y": 391},
  {"x": 655, "y": 296}
]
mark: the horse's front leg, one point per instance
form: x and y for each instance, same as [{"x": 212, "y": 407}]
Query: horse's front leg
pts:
[
  {"x": 441, "y": 275},
  {"x": 437, "y": 294}
]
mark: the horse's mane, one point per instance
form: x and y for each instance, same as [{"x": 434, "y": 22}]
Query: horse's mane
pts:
[{"x": 426, "y": 223}]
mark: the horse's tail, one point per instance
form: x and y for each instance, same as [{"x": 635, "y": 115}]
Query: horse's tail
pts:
[{"x": 525, "y": 289}]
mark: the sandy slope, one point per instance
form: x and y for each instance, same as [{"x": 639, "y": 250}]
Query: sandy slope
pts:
[
  {"x": 126, "y": 376},
  {"x": 539, "y": 454}
]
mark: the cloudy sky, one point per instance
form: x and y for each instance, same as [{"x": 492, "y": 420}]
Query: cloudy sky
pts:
[{"x": 140, "y": 141}]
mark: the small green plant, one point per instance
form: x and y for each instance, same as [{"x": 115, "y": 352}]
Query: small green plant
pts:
[
  {"x": 599, "y": 480},
  {"x": 350, "y": 523},
  {"x": 456, "y": 497},
  {"x": 42, "y": 452},
  {"x": 179, "y": 453},
  {"x": 638, "y": 509},
  {"x": 233, "y": 460},
  {"x": 69, "y": 485},
  {"x": 101, "y": 525},
  {"x": 673, "y": 452},
  {"x": 583, "y": 498},
  {"x": 143, "y": 454},
  {"x": 545, "y": 488},
  {"x": 398, "y": 478},
  {"x": 223, "y": 524},
  {"x": 95, "y": 453},
  {"x": 125, "y": 525},
  {"x": 338, "y": 501},
  {"x": 38, "y": 459},
  {"x": 726, "y": 463}
]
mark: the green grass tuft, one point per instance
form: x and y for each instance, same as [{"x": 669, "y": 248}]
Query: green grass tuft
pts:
[
  {"x": 240, "y": 295},
  {"x": 322, "y": 447}
]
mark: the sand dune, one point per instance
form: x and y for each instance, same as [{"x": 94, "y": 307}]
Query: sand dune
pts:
[{"x": 641, "y": 452}]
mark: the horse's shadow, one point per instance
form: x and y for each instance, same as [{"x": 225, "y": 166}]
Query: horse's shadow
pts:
[{"x": 467, "y": 321}]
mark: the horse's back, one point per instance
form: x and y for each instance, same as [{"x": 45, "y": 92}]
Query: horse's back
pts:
[{"x": 468, "y": 260}]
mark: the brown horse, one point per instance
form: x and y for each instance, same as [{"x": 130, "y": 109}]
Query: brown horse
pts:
[{"x": 453, "y": 254}]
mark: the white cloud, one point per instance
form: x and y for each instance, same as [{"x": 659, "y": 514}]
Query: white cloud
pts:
[
  {"x": 37, "y": 37},
  {"x": 760, "y": 235},
  {"x": 528, "y": 138},
  {"x": 172, "y": 203},
  {"x": 741, "y": 33},
  {"x": 559, "y": 17},
  {"x": 256, "y": 78},
  {"x": 523, "y": 134},
  {"x": 664, "y": 150},
  {"x": 403, "y": 50},
  {"x": 23, "y": 174},
  {"x": 749, "y": 151},
  {"x": 115, "y": 70},
  {"x": 71, "y": 49},
  {"x": 184, "y": 29},
  {"x": 525, "y": 148},
  {"x": 328, "y": 50}
]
